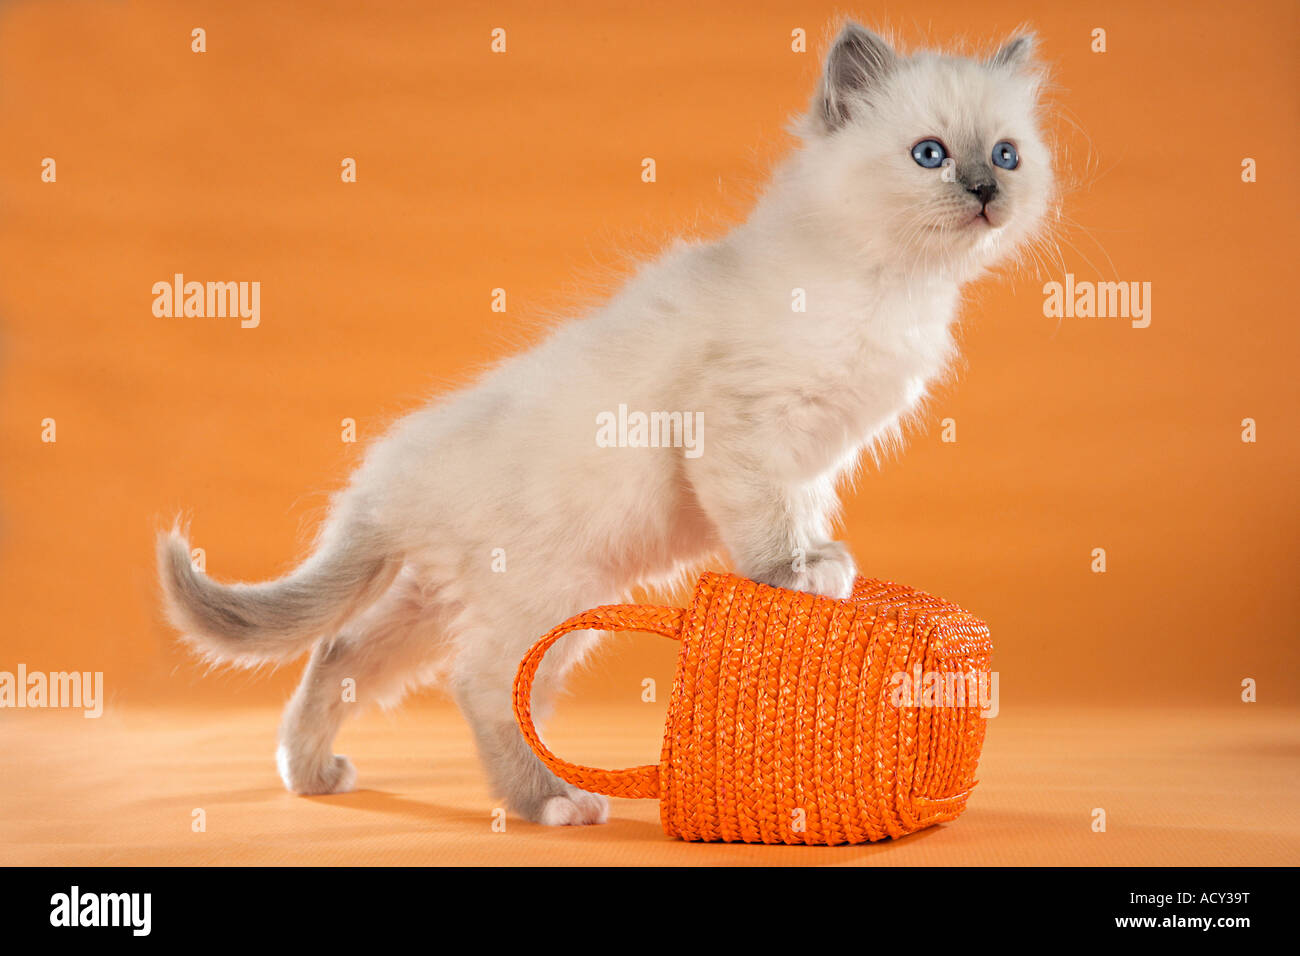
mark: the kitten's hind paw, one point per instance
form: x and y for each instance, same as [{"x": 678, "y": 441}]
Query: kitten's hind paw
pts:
[
  {"x": 336, "y": 775},
  {"x": 574, "y": 809}
]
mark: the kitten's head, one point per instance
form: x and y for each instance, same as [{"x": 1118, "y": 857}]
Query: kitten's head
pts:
[{"x": 928, "y": 161}]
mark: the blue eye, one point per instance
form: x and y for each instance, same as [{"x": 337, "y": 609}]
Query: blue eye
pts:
[
  {"x": 1005, "y": 155},
  {"x": 929, "y": 153}
]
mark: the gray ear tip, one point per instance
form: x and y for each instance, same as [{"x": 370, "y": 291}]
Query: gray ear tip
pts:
[
  {"x": 852, "y": 30},
  {"x": 859, "y": 42},
  {"x": 1017, "y": 50}
]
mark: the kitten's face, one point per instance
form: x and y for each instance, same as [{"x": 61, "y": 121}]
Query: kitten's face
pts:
[{"x": 930, "y": 162}]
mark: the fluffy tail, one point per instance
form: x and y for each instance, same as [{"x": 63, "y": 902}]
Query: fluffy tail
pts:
[{"x": 249, "y": 624}]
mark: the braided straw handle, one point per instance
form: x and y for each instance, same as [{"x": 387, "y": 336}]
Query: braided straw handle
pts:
[{"x": 634, "y": 781}]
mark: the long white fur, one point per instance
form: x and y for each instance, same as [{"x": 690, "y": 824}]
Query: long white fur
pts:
[{"x": 402, "y": 585}]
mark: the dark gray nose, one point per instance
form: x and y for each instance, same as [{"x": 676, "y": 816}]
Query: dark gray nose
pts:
[{"x": 984, "y": 190}]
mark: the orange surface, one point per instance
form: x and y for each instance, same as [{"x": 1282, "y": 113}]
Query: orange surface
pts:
[
  {"x": 521, "y": 171},
  {"x": 1179, "y": 788}
]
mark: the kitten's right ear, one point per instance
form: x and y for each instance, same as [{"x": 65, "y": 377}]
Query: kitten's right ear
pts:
[
  {"x": 1016, "y": 52},
  {"x": 857, "y": 61}
]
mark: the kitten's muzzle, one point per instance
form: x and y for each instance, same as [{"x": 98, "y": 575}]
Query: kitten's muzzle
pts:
[
  {"x": 981, "y": 184},
  {"x": 983, "y": 189}
]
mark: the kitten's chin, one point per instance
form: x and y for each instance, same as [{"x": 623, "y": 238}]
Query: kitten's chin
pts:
[
  {"x": 969, "y": 224},
  {"x": 967, "y": 231},
  {"x": 995, "y": 216},
  {"x": 962, "y": 247},
  {"x": 990, "y": 218}
]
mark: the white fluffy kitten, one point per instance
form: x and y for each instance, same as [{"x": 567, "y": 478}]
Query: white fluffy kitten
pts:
[{"x": 914, "y": 174}]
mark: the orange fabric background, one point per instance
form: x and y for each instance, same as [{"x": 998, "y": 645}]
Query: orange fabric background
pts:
[{"x": 522, "y": 171}]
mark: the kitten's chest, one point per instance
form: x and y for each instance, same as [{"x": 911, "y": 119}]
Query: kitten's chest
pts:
[
  {"x": 888, "y": 351},
  {"x": 870, "y": 366}
]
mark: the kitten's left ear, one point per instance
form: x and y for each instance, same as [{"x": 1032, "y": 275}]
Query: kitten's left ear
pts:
[{"x": 1016, "y": 52}]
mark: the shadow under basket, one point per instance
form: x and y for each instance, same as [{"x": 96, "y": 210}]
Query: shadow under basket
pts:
[{"x": 800, "y": 719}]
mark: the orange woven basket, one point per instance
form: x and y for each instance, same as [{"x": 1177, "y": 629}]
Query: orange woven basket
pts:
[{"x": 790, "y": 721}]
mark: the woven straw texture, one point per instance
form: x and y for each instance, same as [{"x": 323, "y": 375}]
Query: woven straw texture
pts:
[{"x": 786, "y": 722}]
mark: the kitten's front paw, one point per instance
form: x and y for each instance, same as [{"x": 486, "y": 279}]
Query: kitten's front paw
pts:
[
  {"x": 574, "y": 809},
  {"x": 826, "y": 568}
]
